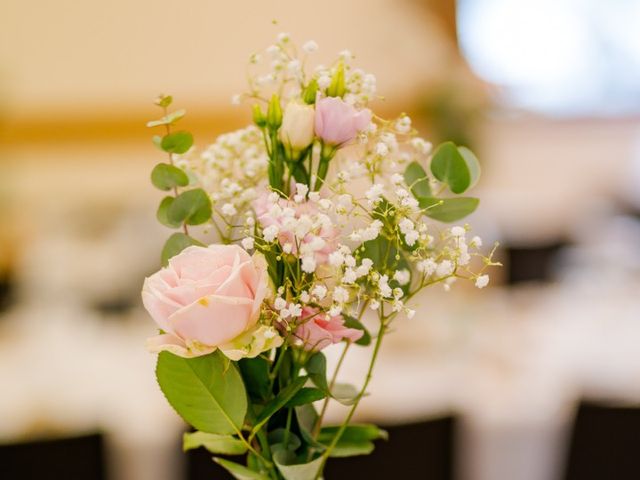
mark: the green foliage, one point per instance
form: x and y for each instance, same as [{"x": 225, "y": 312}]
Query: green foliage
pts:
[
  {"x": 306, "y": 395},
  {"x": 239, "y": 472},
  {"x": 165, "y": 177},
  {"x": 417, "y": 179},
  {"x": 274, "y": 113},
  {"x": 219, "y": 444},
  {"x": 161, "y": 214},
  {"x": 278, "y": 402},
  {"x": 177, "y": 142},
  {"x": 351, "y": 322},
  {"x": 169, "y": 119},
  {"x": 207, "y": 391},
  {"x": 472, "y": 164},
  {"x": 175, "y": 244},
  {"x": 449, "y": 209},
  {"x": 301, "y": 471},
  {"x": 279, "y": 436},
  {"x": 449, "y": 166},
  {"x": 355, "y": 440},
  {"x": 192, "y": 207},
  {"x": 316, "y": 367},
  {"x": 163, "y": 101},
  {"x": 344, "y": 393},
  {"x": 255, "y": 373}
]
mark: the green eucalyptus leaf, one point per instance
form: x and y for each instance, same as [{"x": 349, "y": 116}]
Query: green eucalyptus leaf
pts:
[
  {"x": 351, "y": 322},
  {"x": 177, "y": 142},
  {"x": 449, "y": 166},
  {"x": 306, "y": 395},
  {"x": 157, "y": 141},
  {"x": 219, "y": 444},
  {"x": 175, "y": 244},
  {"x": 449, "y": 209},
  {"x": 161, "y": 214},
  {"x": 316, "y": 367},
  {"x": 165, "y": 177},
  {"x": 345, "y": 393},
  {"x": 192, "y": 207},
  {"x": 301, "y": 471},
  {"x": 277, "y": 403},
  {"x": 163, "y": 100},
  {"x": 417, "y": 179},
  {"x": 472, "y": 163},
  {"x": 206, "y": 391},
  {"x": 169, "y": 119},
  {"x": 239, "y": 472}
]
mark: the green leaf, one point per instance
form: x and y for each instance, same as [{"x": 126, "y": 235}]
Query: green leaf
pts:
[
  {"x": 165, "y": 177},
  {"x": 207, "y": 391},
  {"x": 355, "y": 440},
  {"x": 472, "y": 163},
  {"x": 192, "y": 207},
  {"x": 161, "y": 214},
  {"x": 255, "y": 372},
  {"x": 220, "y": 444},
  {"x": 345, "y": 393},
  {"x": 277, "y": 403},
  {"x": 239, "y": 472},
  {"x": 163, "y": 100},
  {"x": 169, "y": 119},
  {"x": 307, "y": 418},
  {"x": 301, "y": 471},
  {"x": 177, "y": 142},
  {"x": 157, "y": 141},
  {"x": 316, "y": 367},
  {"x": 417, "y": 180},
  {"x": 351, "y": 322},
  {"x": 175, "y": 244},
  {"x": 449, "y": 166},
  {"x": 277, "y": 436},
  {"x": 449, "y": 209},
  {"x": 306, "y": 395}
]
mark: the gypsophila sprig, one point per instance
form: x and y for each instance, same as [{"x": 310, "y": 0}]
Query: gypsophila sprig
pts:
[{"x": 326, "y": 213}]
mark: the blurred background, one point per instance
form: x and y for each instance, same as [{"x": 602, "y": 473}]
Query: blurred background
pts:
[{"x": 536, "y": 377}]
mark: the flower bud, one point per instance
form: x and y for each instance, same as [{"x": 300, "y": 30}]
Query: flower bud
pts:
[
  {"x": 337, "y": 86},
  {"x": 258, "y": 117},
  {"x": 297, "y": 129},
  {"x": 309, "y": 94},
  {"x": 274, "y": 113}
]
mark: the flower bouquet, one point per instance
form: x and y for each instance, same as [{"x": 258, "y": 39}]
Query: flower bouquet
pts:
[{"x": 330, "y": 221}]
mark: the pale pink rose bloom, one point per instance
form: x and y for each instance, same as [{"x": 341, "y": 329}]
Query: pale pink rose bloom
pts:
[
  {"x": 337, "y": 122},
  {"x": 318, "y": 332},
  {"x": 329, "y": 234},
  {"x": 204, "y": 298}
]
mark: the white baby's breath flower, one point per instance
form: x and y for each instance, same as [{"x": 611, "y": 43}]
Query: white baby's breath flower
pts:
[
  {"x": 324, "y": 81},
  {"x": 458, "y": 231},
  {"x": 283, "y": 37},
  {"x": 308, "y": 264},
  {"x": 374, "y": 304},
  {"x": 397, "y": 178},
  {"x": 482, "y": 281},
  {"x": 279, "y": 303},
  {"x": 336, "y": 258},
  {"x": 319, "y": 291},
  {"x": 476, "y": 242},
  {"x": 403, "y": 124},
  {"x": 229, "y": 210},
  {"x": 421, "y": 145},
  {"x": 340, "y": 295},
  {"x": 304, "y": 296},
  {"x": 349, "y": 276},
  {"x": 410, "y": 313},
  {"x": 411, "y": 238},
  {"x": 270, "y": 233},
  {"x": 402, "y": 276},
  {"x": 381, "y": 149},
  {"x": 310, "y": 46},
  {"x": 335, "y": 310},
  {"x": 444, "y": 268},
  {"x": 247, "y": 243},
  {"x": 287, "y": 247},
  {"x": 295, "y": 309},
  {"x": 314, "y": 196}
]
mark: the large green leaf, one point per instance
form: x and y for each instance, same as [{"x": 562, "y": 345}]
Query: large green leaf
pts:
[
  {"x": 165, "y": 177},
  {"x": 175, "y": 244},
  {"x": 192, "y": 207},
  {"x": 177, "y": 142},
  {"x": 168, "y": 119},
  {"x": 306, "y": 395},
  {"x": 277, "y": 403},
  {"x": 316, "y": 367},
  {"x": 220, "y": 444},
  {"x": 472, "y": 163},
  {"x": 207, "y": 391},
  {"x": 255, "y": 372},
  {"x": 239, "y": 472},
  {"x": 344, "y": 393},
  {"x": 355, "y": 440},
  {"x": 161, "y": 214},
  {"x": 300, "y": 471},
  {"x": 449, "y": 209},
  {"x": 417, "y": 179},
  {"x": 449, "y": 166}
]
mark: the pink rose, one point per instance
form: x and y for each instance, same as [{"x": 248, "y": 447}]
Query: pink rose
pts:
[
  {"x": 204, "y": 298},
  {"x": 337, "y": 122},
  {"x": 318, "y": 332}
]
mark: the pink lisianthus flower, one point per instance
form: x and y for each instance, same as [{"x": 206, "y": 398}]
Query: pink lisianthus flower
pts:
[
  {"x": 318, "y": 330},
  {"x": 205, "y": 298},
  {"x": 337, "y": 122}
]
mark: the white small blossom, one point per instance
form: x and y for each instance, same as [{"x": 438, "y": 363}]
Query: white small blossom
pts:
[
  {"x": 284, "y": 37},
  {"x": 270, "y": 233},
  {"x": 304, "y": 296},
  {"x": 346, "y": 55},
  {"x": 295, "y": 309},
  {"x": 335, "y": 310},
  {"x": 402, "y": 276},
  {"x": 349, "y": 261},
  {"x": 421, "y": 145},
  {"x": 410, "y": 313},
  {"x": 279, "y": 303},
  {"x": 458, "y": 231},
  {"x": 397, "y": 293},
  {"x": 287, "y": 247},
  {"x": 406, "y": 226},
  {"x": 374, "y": 193},
  {"x": 374, "y": 305},
  {"x": 324, "y": 81},
  {"x": 229, "y": 210},
  {"x": 383, "y": 286},
  {"x": 365, "y": 266},
  {"x": 396, "y": 178},
  {"x": 325, "y": 204},
  {"x": 314, "y": 196},
  {"x": 247, "y": 243},
  {"x": 403, "y": 124},
  {"x": 444, "y": 268},
  {"x": 349, "y": 276},
  {"x": 476, "y": 242},
  {"x": 381, "y": 149},
  {"x": 482, "y": 281},
  {"x": 411, "y": 237},
  {"x": 340, "y": 295},
  {"x": 427, "y": 266},
  {"x": 319, "y": 291},
  {"x": 308, "y": 264},
  {"x": 310, "y": 46},
  {"x": 336, "y": 258}
]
